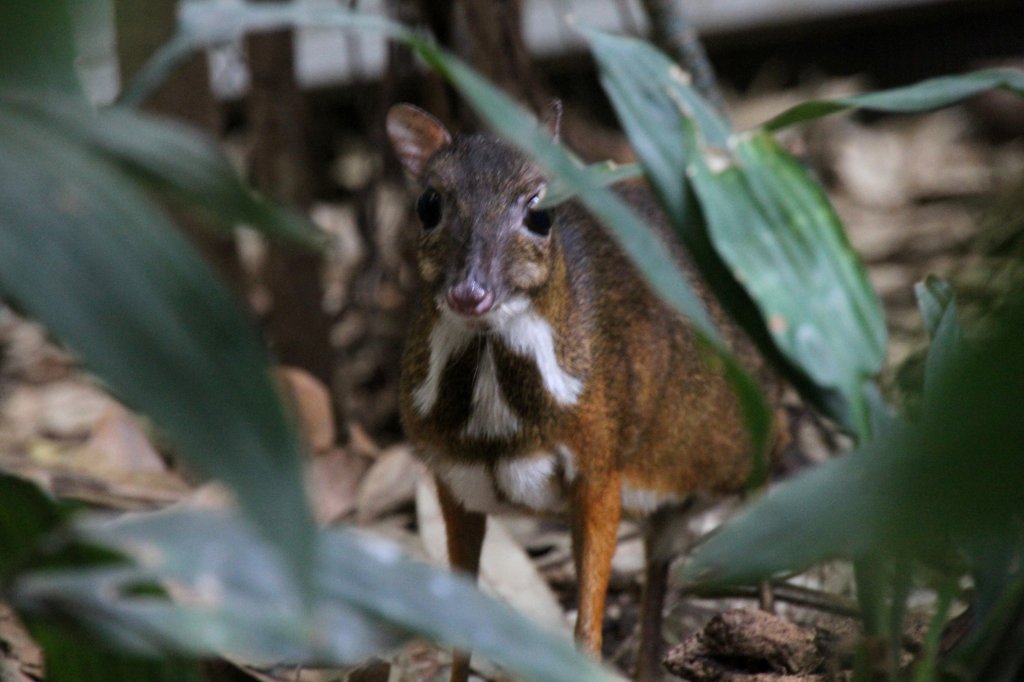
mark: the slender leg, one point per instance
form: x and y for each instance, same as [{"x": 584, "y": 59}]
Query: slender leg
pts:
[
  {"x": 666, "y": 535},
  {"x": 465, "y": 533},
  {"x": 648, "y": 655},
  {"x": 596, "y": 508},
  {"x": 657, "y": 556}
]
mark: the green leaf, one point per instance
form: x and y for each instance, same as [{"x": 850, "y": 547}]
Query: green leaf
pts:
[
  {"x": 937, "y": 303},
  {"x": 26, "y": 516},
  {"x": 765, "y": 224},
  {"x": 83, "y": 251},
  {"x": 935, "y": 300},
  {"x": 780, "y": 236},
  {"x": 74, "y": 658},
  {"x": 651, "y": 95},
  {"x": 604, "y": 174},
  {"x": 39, "y": 49},
  {"x": 933, "y": 93},
  {"x": 233, "y": 598},
  {"x": 911, "y": 493},
  {"x": 167, "y": 155}
]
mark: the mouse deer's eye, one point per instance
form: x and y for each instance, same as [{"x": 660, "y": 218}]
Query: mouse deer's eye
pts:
[
  {"x": 536, "y": 220},
  {"x": 428, "y": 208}
]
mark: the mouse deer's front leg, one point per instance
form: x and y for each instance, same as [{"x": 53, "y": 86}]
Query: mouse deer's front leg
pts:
[
  {"x": 596, "y": 508},
  {"x": 464, "y": 530}
]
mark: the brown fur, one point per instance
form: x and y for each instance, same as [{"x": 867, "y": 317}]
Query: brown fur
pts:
[{"x": 655, "y": 412}]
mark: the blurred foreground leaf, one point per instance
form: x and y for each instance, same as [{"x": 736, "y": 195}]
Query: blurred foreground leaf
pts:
[
  {"x": 28, "y": 521},
  {"x": 38, "y": 50},
  {"x": 26, "y": 515},
  {"x": 912, "y": 493},
  {"x": 84, "y": 251},
  {"x": 72, "y": 657},
  {"x": 230, "y": 596},
  {"x": 163, "y": 153}
]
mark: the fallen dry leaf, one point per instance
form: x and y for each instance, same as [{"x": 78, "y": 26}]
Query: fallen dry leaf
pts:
[
  {"x": 128, "y": 490},
  {"x": 21, "y": 660},
  {"x": 390, "y": 483},
  {"x": 310, "y": 402},
  {"x": 332, "y": 483},
  {"x": 66, "y": 409},
  {"x": 118, "y": 442},
  {"x": 505, "y": 568},
  {"x": 72, "y": 408},
  {"x": 360, "y": 442}
]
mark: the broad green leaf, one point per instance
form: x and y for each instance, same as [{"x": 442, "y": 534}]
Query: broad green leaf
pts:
[
  {"x": 232, "y": 595},
  {"x": 26, "y": 515},
  {"x": 83, "y": 251},
  {"x": 933, "y": 93},
  {"x": 771, "y": 228},
  {"x": 651, "y": 94},
  {"x": 953, "y": 475},
  {"x": 38, "y": 47},
  {"x": 166, "y": 154},
  {"x": 233, "y": 598},
  {"x": 777, "y": 231}
]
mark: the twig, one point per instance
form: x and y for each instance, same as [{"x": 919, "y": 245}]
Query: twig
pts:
[
  {"x": 789, "y": 593},
  {"x": 673, "y": 32}
]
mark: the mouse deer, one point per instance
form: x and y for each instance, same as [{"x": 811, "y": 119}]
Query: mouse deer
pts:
[{"x": 542, "y": 374}]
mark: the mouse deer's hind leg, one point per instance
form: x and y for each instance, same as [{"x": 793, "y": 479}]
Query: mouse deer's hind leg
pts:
[
  {"x": 464, "y": 530},
  {"x": 665, "y": 524}
]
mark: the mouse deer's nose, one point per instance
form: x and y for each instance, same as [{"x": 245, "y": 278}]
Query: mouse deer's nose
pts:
[{"x": 470, "y": 298}]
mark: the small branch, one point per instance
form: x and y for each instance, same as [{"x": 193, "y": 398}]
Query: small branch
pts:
[
  {"x": 673, "y": 33},
  {"x": 789, "y": 593}
]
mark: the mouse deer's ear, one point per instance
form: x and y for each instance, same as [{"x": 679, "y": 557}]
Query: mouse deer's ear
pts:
[
  {"x": 415, "y": 136},
  {"x": 551, "y": 118}
]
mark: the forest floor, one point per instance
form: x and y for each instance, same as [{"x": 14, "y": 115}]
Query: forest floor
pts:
[{"x": 931, "y": 194}]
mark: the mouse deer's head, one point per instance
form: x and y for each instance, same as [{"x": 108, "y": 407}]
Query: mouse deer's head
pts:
[{"x": 484, "y": 245}]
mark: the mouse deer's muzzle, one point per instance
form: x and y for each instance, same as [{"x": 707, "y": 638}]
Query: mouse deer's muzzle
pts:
[{"x": 470, "y": 298}]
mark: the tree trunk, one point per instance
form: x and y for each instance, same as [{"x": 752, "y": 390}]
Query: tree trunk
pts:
[
  {"x": 297, "y": 326},
  {"x": 488, "y": 34}
]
